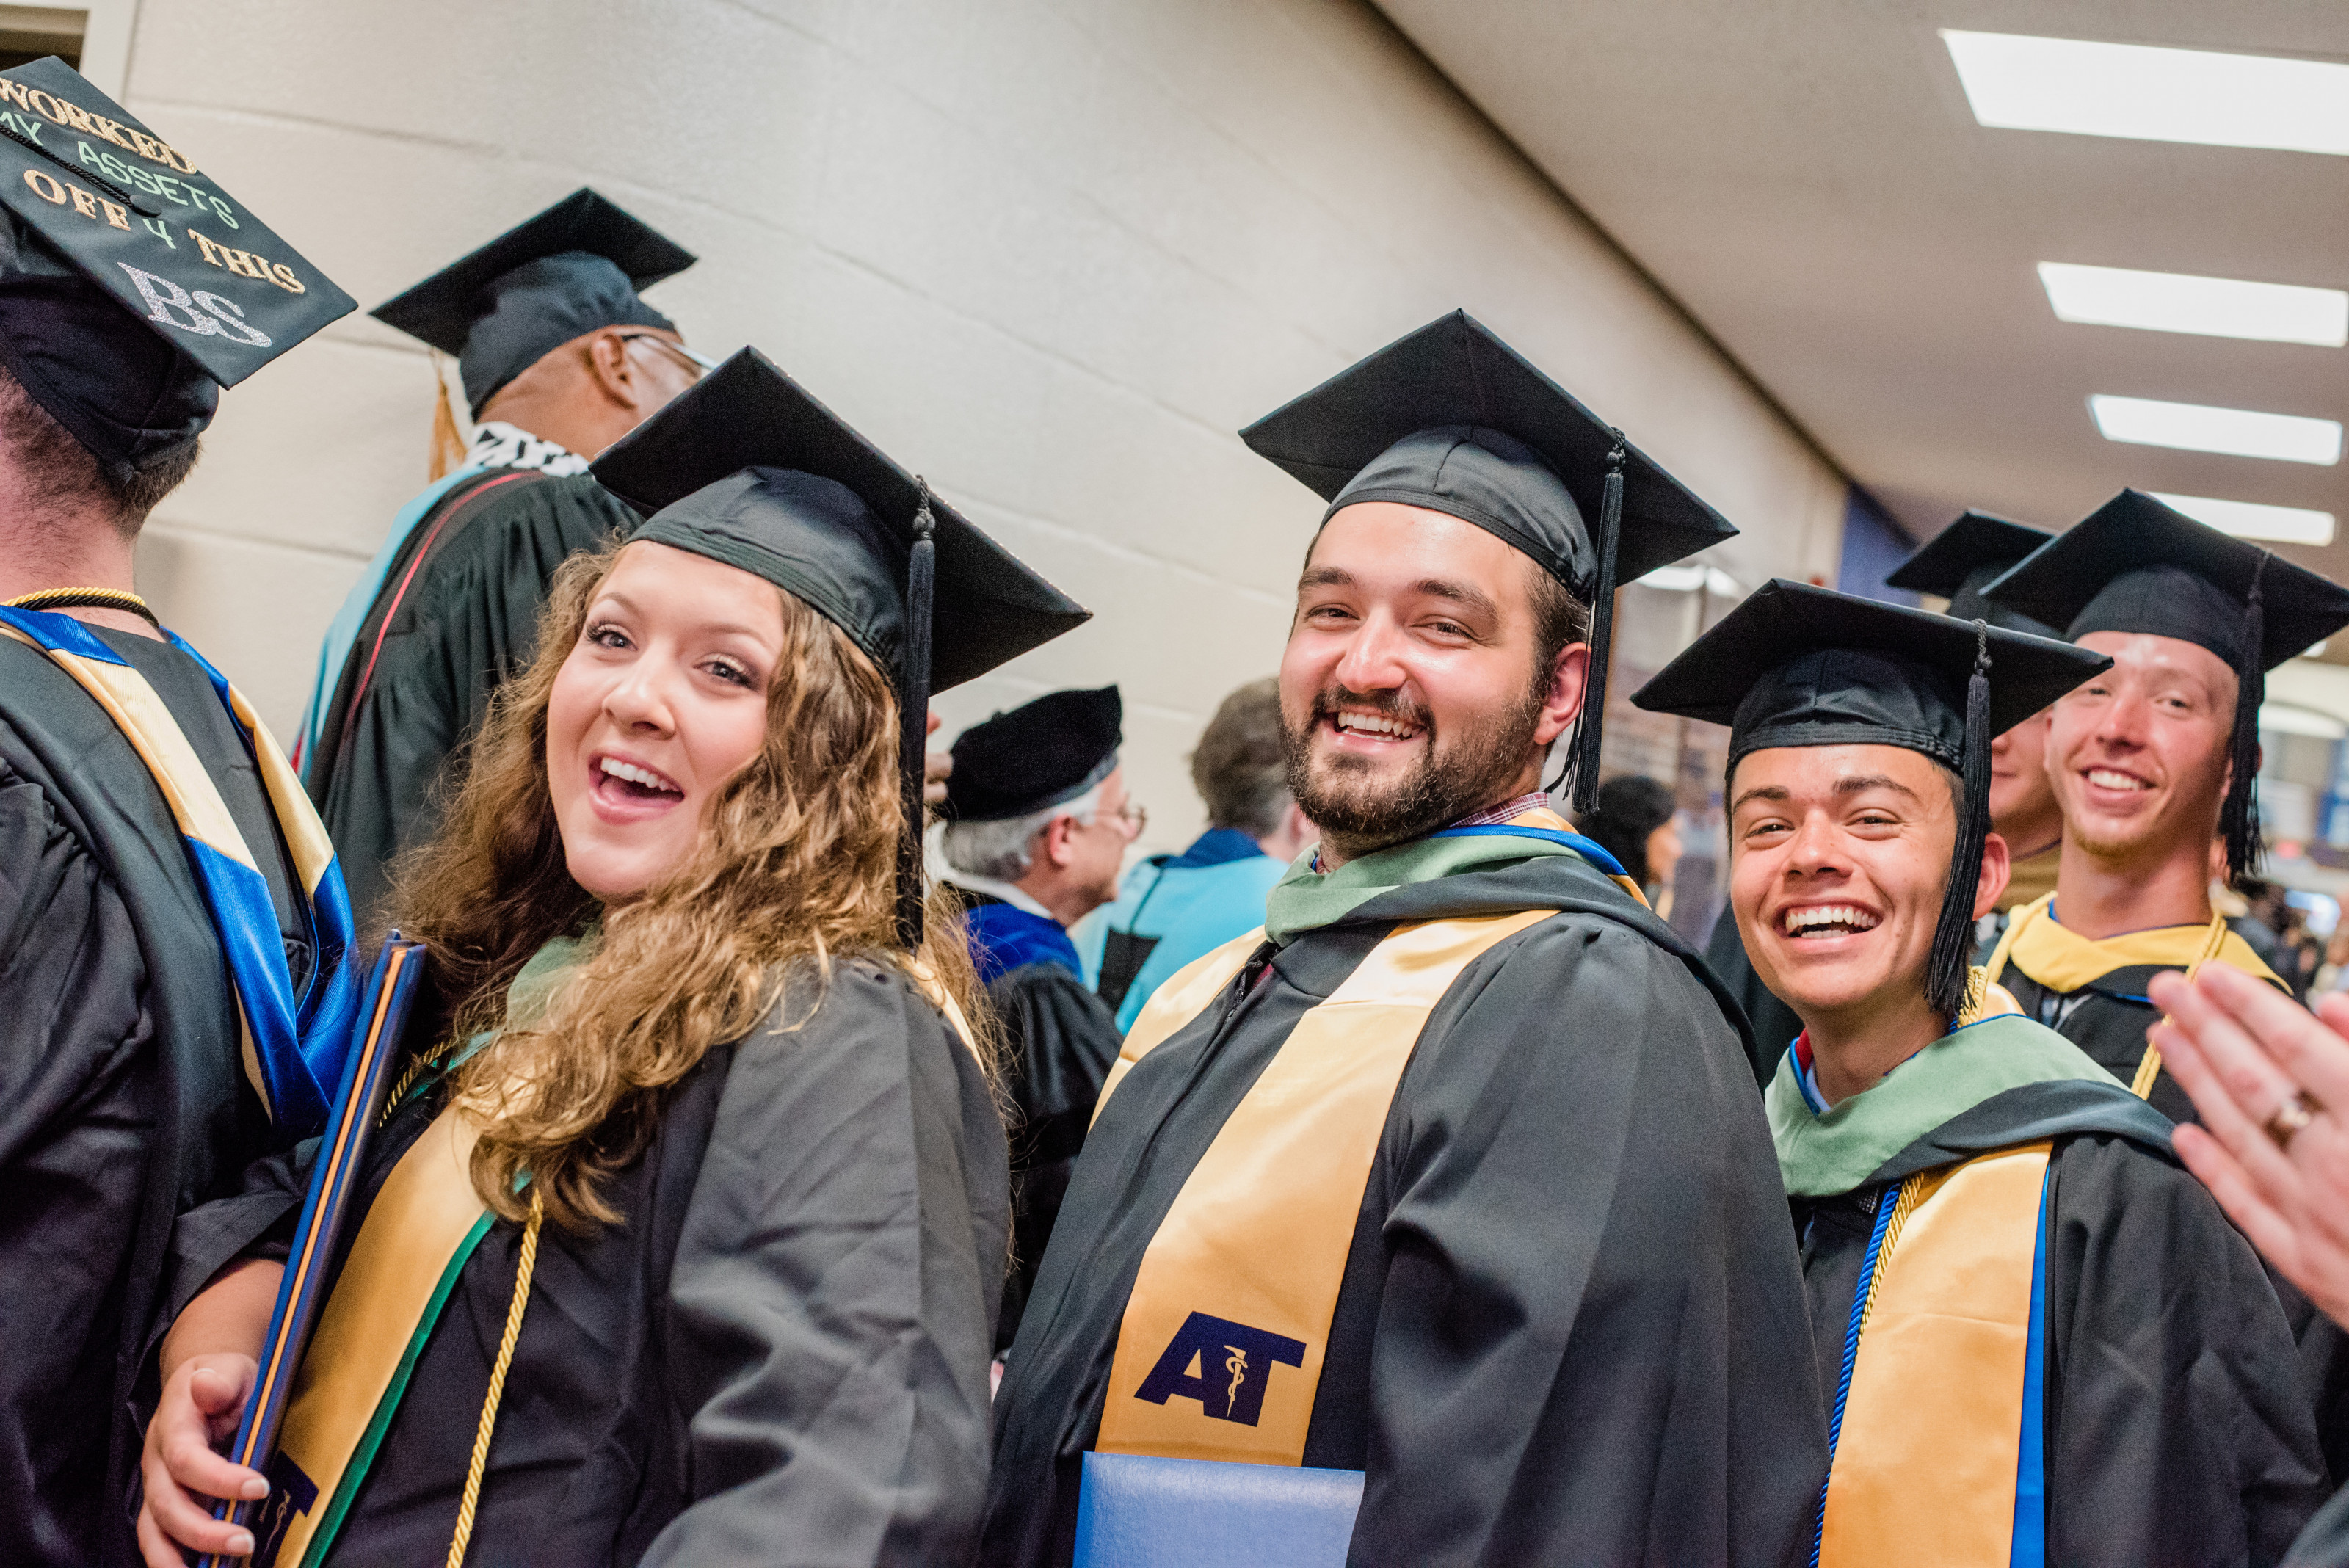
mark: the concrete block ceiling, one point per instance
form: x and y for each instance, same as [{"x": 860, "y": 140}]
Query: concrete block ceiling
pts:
[{"x": 1811, "y": 180}]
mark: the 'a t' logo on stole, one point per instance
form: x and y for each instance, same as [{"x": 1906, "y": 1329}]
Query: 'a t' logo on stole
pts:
[{"x": 1224, "y": 1365}]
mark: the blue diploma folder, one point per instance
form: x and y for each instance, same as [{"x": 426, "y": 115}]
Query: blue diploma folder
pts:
[
  {"x": 334, "y": 1177},
  {"x": 1137, "y": 1510}
]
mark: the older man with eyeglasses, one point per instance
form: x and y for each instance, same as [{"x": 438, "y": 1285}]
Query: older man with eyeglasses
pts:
[
  {"x": 1038, "y": 825},
  {"x": 559, "y": 357}
]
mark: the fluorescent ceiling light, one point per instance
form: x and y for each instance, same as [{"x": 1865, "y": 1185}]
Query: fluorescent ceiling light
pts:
[
  {"x": 2210, "y": 307},
  {"x": 2197, "y": 427},
  {"x": 2022, "y": 83},
  {"x": 2248, "y": 520}
]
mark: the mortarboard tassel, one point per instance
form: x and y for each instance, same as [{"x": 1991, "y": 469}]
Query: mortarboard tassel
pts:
[
  {"x": 1953, "y": 936},
  {"x": 1588, "y": 737},
  {"x": 921, "y": 579},
  {"x": 2239, "y": 818}
]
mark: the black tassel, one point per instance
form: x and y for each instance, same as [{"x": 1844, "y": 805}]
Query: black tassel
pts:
[
  {"x": 1589, "y": 735},
  {"x": 2239, "y": 818},
  {"x": 1953, "y": 937},
  {"x": 921, "y": 581}
]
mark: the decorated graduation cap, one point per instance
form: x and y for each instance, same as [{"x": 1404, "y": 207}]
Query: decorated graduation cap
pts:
[
  {"x": 1799, "y": 666},
  {"x": 2134, "y": 564},
  {"x": 746, "y": 468},
  {"x": 132, "y": 288},
  {"x": 1961, "y": 560},
  {"x": 1039, "y": 754},
  {"x": 1452, "y": 418},
  {"x": 574, "y": 269}
]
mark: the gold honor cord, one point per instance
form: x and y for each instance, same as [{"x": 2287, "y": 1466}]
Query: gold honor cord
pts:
[
  {"x": 1925, "y": 1468},
  {"x": 2077, "y": 961},
  {"x": 2148, "y": 1067},
  {"x": 524, "y": 1268},
  {"x": 90, "y": 598}
]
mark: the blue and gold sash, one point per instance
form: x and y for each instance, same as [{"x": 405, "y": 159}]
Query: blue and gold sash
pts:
[
  {"x": 293, "y": 1046},
  {"x": 1936, "y": 1440}
]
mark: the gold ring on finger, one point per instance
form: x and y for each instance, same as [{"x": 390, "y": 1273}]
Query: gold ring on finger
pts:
[{"x": 2299, "y": 1109}]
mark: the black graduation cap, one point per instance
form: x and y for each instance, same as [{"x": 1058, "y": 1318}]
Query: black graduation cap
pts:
[
  {"x": 1039, "y": 754},
  {"x": 574, "y": 269},
  {"x": 1452, "y": 418},
  {"x": 131, "y": 287},
  {"x": 2134, "y": 564},
  {"x": 1799, "y": 666},
  {"x": 745, "y": 467},
  {"x": 1960, "y": 560}
]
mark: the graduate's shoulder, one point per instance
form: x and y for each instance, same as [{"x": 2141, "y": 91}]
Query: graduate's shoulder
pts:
[
  {"x": 536, "y": 519},
  {"x": 860, "y": 1027}
]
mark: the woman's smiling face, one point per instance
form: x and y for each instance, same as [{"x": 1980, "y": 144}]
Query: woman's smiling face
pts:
[{"x": 662, "y": 701}]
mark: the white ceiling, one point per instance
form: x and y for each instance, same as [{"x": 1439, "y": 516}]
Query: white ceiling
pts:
[{"x": 1806, "y": 178}]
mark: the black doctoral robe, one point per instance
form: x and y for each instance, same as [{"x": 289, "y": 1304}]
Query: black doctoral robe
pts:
[
  {"x": 1561, "y": 1333},
  {"x": 457, "y": 616},
  {"x": 781, "y": 1354},
  {"x": 2177, "y": 1429},
  {"x": 1772, "y": 1024},
  {"x": 123, "y": 1098}
]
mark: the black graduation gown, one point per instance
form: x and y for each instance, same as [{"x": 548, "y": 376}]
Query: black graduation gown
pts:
[
  {"x": 457, "y": 616},
  {"x": 1560, "y": 1332},
  {"x": 2325, "y": 1542},
  {"x": 781, "y": 1350},
  {"x": 1061, "y": 1040},
  {"x": 122, "y": 1092},
  {"x": 1772, "y": 1024},
  {"x": 2176, "y": 1429}
]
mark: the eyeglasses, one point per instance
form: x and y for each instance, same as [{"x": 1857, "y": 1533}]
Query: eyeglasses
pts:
[
  {"x": 702, "y": 363},
  {"x": 1129, "y": 819}
]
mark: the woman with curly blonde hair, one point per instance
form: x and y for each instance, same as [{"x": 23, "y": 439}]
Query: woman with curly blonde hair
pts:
[{"x": 682, "y": 1238}]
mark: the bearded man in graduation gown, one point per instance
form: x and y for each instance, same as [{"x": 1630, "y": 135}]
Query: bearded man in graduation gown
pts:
[
  {"x": 173, "y": 993},
  {"x": 2041, "y": 1340},
  {"x": 1453, "y": 1174},
  {"x": 1039, "y": 820},
  {"x": 560, "y": 357}
]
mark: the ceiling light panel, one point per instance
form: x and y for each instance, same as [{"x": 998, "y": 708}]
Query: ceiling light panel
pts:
[
  {"x": 2236, "y": 432},
  {"x": 2017, "y": 82},
  {"x": 2248, "y": 520},
  {"x": 2207, "y": 306}
]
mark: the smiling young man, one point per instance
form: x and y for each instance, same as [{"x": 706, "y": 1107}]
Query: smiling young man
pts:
[
  {"x": 1451, "y": 1174},
  {"x": 2041, "y": 1339},
  {"x": 2149, "y": 763}
]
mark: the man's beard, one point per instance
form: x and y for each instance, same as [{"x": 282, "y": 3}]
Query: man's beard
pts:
[{"x": 1360, "y": 812}]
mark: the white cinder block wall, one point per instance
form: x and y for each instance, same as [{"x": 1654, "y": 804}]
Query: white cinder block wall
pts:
[{"x": 1052, "y": 255}]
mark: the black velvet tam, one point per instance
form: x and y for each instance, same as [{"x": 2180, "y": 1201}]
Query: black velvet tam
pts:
[
  {"x": 574, "y": 269},
  {"x": 1037, "y": 755},
  {"x": 1958, "y": 562},
  {"x": 745, "y": 467},
  {"x": 2134, "y": 564},
  {"x": 1799, "y": 666},
  {"x": 1452, "y": 418},
  {"x": 131, "y": 288}
]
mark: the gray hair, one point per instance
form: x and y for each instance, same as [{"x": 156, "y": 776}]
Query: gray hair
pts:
[{"x": 1002, "y": 851}]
